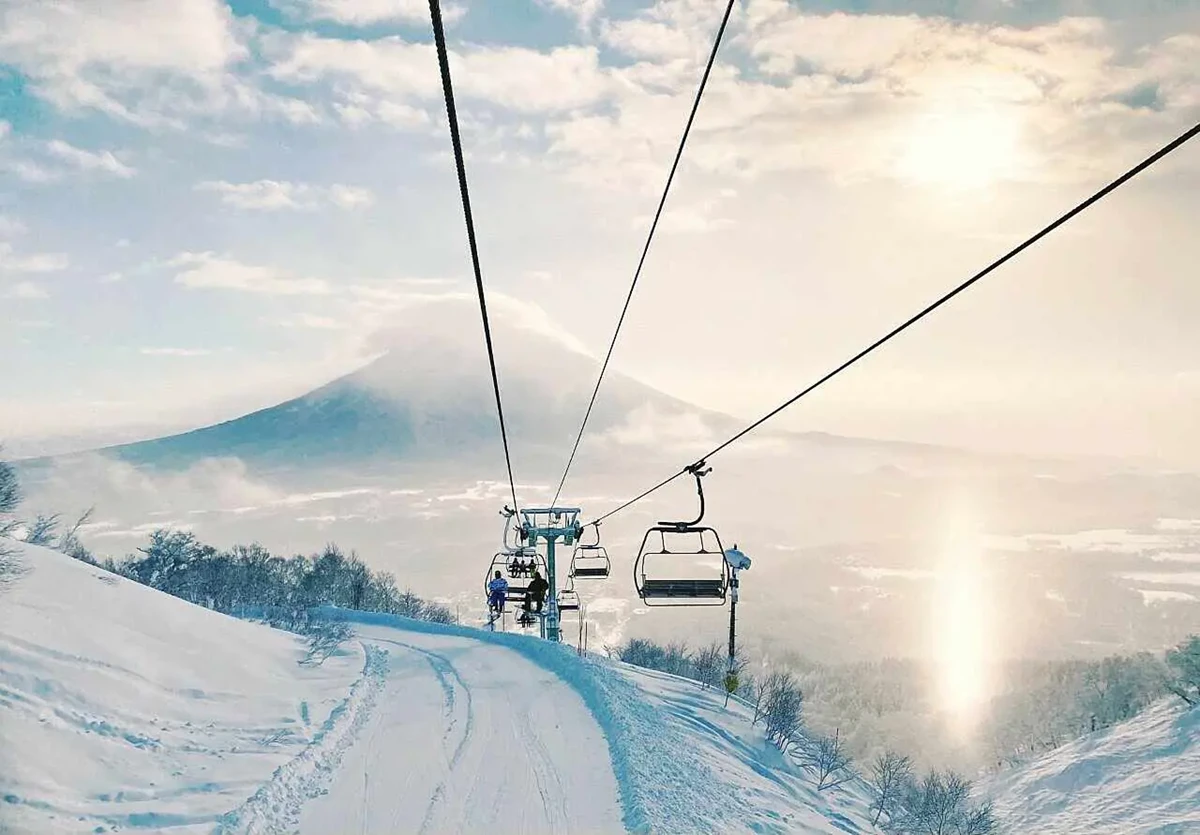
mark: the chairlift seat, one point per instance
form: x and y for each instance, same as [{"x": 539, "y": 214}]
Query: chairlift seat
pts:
[
  {"x": 674, "y": 589},
  {"x": 600, "y": 571},
  {"x": 568, "y": 601}
]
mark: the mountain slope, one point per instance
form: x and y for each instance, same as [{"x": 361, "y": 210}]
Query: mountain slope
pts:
[
  {"x": 426, "y": 395},
  {"x": 1142, "y": 776}
]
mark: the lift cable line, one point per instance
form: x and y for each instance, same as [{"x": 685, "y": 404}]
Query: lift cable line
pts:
[
  {"x": 1099, "y": 195},
  {"x": 439, "y": 35},
  {"x": 649, "y": 238}
]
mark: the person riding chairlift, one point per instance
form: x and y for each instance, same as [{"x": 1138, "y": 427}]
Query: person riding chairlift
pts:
[
  {"x": 535, "y": 595},
  {"x": 514, "y": 568},
  {"x": 497, "y": 589}
]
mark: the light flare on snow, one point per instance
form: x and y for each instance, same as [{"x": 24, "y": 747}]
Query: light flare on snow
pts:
[{"x": 963, "y": 628}]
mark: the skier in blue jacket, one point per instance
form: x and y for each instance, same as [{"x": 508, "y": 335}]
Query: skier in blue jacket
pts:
[{"x": 497, "y": 589}]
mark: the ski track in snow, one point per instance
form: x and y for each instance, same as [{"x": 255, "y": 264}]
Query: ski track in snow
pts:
[
  {"x": 275, "y": 807},
  {"x": 470, "y": 737}
]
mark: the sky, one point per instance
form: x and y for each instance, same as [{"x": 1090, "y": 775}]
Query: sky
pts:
[{"x": 207, "y": 207}]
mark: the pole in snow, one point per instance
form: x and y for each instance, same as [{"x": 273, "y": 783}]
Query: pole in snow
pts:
[{"x": 737, "y": 561}]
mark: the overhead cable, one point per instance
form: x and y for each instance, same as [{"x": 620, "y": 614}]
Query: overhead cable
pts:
[
  {"x": 439, "y": 35},
  {"x": 1149, "y": 161},
  {"x": 646, "y": 249}
]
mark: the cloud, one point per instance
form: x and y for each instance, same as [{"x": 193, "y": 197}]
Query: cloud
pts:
[
  {"x": 38, "y": 263},
  {"x": 367, "y": 12},
  {"x": 11, "y": 227},
  {"x": 89, "y": 160},
  {"x": 152, "y": 64},
  {"x": 175, "y": 352},
  {"x": 26, "y": 290},
  {"x": 583, "y": 11},
  {"x": 350, "y": 197},
  {"x": 311, "y": 320},
  {"x": 209, "y": 271},
  {"x": 916, "y": 98},
  {"x": 668, "y": 29},
  {"x": 81, "y": 54},
  {"x": 391, "y": 79},
  {"x": 648, "y": 426},
  {"x": 273, "y": 195}
]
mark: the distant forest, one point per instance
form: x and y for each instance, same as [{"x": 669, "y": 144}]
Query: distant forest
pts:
[{"x": 245, "y": 581}]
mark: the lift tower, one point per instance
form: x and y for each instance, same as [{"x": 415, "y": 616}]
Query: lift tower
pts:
[{"x": 550, "y": 524}]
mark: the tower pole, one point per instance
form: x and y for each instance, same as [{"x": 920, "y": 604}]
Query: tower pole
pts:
[{"x": 551, "y": 619}]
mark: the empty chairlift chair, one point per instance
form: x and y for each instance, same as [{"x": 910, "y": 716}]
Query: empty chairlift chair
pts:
[
  {"x": 568, "y": 600},
  {"x": 590, "y": 562},
  {"x": 682, "y": 563}
]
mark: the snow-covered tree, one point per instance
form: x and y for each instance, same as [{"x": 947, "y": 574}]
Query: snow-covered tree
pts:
[
  {"x": 1183, "y": 665},
  {"x": 941, "y": 805},
  {"x": 890, "y": 773},
  {"x": 709, "y": 663},
  {"x": 783, "y": 704},
  {"x": 826, "y": 757}
]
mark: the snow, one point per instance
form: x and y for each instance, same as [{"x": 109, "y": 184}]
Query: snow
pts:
[
  {"x": 124, "y": 707},
  {"x": 1141, "y": 777},
  {"x": 500, "y": 743},
  {"x": 131, "y": 710}
]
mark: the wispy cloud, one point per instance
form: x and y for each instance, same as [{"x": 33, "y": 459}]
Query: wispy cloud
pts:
[
  {"x": 46, "y": 262},
  {"x": 206, "y": 270},
  {"x": 175, "y": 352},
  {"x": 26, "y": 290},
  {"x": 367, "y": 12},
  {"x": 274, "y": 195},
  {"x": 10, "y": 227},
  {"x": 89, "y": 160}
]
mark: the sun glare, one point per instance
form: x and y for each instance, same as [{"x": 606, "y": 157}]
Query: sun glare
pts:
[
  {"x": 963, "y": 634},
  {"x": 961, "y": 148}
]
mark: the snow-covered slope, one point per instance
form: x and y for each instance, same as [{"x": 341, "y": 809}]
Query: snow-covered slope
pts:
[
  {"x": 124, "y": 709},
  {"x": 1141, "y": 777}
]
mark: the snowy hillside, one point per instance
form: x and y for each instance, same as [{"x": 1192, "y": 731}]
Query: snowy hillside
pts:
[
  {"x": 122, "y": 708},
  {"x": 1141, "y": 777}
]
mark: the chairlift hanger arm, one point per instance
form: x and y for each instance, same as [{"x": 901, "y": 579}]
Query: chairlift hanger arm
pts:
[{"x": 698, "y": 470}]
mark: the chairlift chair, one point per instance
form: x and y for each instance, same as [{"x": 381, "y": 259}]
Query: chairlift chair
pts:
[
  {"x": 517, "y": 586},
  {"x": 682, "y": 563},
  {"x": 568, "y": 600},
  {"x": 590, "y": 562}
]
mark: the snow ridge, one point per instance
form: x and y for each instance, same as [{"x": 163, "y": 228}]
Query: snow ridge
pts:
[{"x": 275, "y": 807}]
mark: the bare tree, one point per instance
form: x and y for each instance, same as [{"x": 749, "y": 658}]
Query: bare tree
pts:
[
  {"x": 10, "y": 499},
  {"x": 940, "y": 805},
  {"x": 708, "y": 665},
  {"x": 69, "y": 542},
  {"x": 782, "y": 712},
  {"x": 762, "y": 686},
  {"x": 827, "y": 757},
  {"x": 1183, "y": 664},
  {"x": 43, "y": 531},
  {"x": 890, "y": 773}
]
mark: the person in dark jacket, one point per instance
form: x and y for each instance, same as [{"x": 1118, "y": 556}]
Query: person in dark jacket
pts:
[{"x": 535, "y": 595}]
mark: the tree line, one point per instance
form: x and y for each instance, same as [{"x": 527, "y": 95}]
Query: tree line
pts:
[
  {"x": 903, "y": 801},
  {"x": 245, "y": 581}
]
